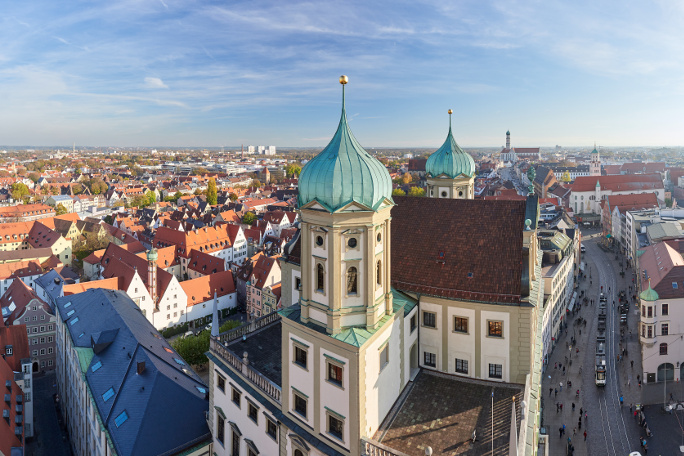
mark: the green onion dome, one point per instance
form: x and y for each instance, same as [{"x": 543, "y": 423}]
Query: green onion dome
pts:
[
  {"x": 344, "y": 172},
  {"x": 450, "y": 159}
]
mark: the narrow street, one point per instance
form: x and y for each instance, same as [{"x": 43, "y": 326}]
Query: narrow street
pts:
[{"x": 611, "y": 428}]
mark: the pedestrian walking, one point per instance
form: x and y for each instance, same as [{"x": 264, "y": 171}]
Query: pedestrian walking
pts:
[
  {"x": 585, "y": 436},
  {"x": 630, "y": 409},
  {"x": 557, "y": 407},
  {"x": 555, "y": 392},
  {"x": 563, "y": 370},
  {"x": 632, "y": 361},
  {"x": 581, "y": 411},
  {"x": 574, "y": 431},
  {"x": 561, "y": 387},
  {"x": 573, "y": 406},
  {"x": 550, "y": 391},
  {"x": 560, "y": 432},
  {"x": 561, "y": 406},
  {"x": 564, "y": 429}
]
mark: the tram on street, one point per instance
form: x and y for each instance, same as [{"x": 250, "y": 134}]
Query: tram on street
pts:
[{"x": 600, "y": 373}]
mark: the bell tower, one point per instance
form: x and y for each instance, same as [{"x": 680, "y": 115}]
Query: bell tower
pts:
[
  {"x": 345, "y": 199},
  {"x": 595, "y": 165}
]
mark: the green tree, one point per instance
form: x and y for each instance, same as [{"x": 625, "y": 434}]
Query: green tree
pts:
[
  {"x": 193, "y": 349},
  {"x": 212, "y": 194},
  {"x": 60, "y": 209},
  {"x": 416, "y": 191},
  {"x": 34, "y": 177},
  {"x": 151, "y": 198},
  {"x": 199, "y": 171},
  {"x": 668, "y": 202},
  {"x": 248, "y": 218},
  {"x": 398, "y": 192},
  {"x": 227, "y": 326},
  {"x": 19, "y": 191},
  {"x": 293, "y": 169},
  {"x": 406, "y": 178},
  {"x": 54, "y": 190},
  {"x": 256, "y": 183},
  {"x": 233, "y": 197},
  {"x": 138, "y": 201},
  {"x": 77, "y": 189}
]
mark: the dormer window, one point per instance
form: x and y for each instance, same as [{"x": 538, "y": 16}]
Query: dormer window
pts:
[{"x": 8, "y": 350}]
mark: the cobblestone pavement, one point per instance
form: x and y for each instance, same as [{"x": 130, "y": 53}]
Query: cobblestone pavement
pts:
[{"x": 611, "y": 430}]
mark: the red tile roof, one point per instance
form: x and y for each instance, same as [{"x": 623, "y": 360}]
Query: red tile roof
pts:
[
  {"x": 14, "y": 335},
  {"x": 204, "y": 263},
  {"x": 444, "y": 247},
  {"x": 8, "y": 438},
  {"x": 75, "y": 288},
  {"x": 633, "y": 201},
  {"x": 202, "y": 289},
  {"x": 20, "y": 269},
  {"x": 206, "y": 239},
  {"x": 618, "y": 183},
  {"x": 663, "y": 264},
  {"x": 262, "y": 269}
]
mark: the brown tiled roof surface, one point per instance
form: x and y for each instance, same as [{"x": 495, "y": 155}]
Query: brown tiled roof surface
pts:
[
  {"x": 448, "y": 425},
  {"x": 20, "y": 269},
  {"x": 663, "y": 264},
  {"x": 619, "y": 183},
  {"x": 632, "y": 201},
  {"x": 645, "y": 168},
  {"x": 204, "y": 263},
  {"x": 75, "y": 288},
  {"x": 14, "y": 335},
  {"x": 8, "y": 438},
  {"x": 455, "y": 248},
  {"x": 202, "y": 289},
  {"x": 262, "y": 269}
]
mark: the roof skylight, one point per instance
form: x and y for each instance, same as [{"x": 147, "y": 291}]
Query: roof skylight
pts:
[
  {"x": 121, "y": 419},
  {"x": 108, "y": 394},
  {"x": 96, "y": 366}
]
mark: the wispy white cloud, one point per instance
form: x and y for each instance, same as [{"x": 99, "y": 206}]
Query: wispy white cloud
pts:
[{"x": 155, "y": 83}]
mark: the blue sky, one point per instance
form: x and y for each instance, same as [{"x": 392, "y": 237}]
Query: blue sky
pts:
[{"x": 202, "y": 73}]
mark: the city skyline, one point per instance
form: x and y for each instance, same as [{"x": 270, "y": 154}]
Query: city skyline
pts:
[{"x": 162, "y": 73}]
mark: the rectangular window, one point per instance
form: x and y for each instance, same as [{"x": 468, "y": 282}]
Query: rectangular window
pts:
[
  {"x": 300, "y": 405},
  {"x": 414, "y": 322},
  {"x": 430, "y": 359},
  {"x": 335, "y": 427},
  {"x": 236, "y": 444},
  {"x": 664, "y": 329},
  {"x": 461, "y": 324},
  {"x": 649, "y": 311},
  {"x": 384, "y": 356},
  {"x": 665, "y": 309},
  {"x": 221, "y": 382},
  {"x": 334, "y": 374},
  {"x": 495, "y": 328},
  {"x": 42, "y": 351},
  {"x": 461, "y": 366},
  {"x": 236, "y": 397},
  {"x": 271, "y": 429},
  {"x": 300, "y": 356},
  {"x": 253, "y": 412},
  {"x": 650, "y": 332},
  {"x": 495, "y": 371},
  {"x": 429, "y": 319}
]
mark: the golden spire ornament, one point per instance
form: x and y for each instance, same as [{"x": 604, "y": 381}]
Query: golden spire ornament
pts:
[{"x": 344, "y": 79}]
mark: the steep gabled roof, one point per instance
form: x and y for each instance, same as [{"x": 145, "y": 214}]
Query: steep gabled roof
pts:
[
  {"x": 164, "y": 401},
  {"x": 202, "y": 289},
  {"x": 14, "y": 335}
]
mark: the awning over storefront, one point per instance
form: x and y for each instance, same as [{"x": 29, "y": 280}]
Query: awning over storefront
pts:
[
  {"x": 572, "y": 302},
  {"x": 582, "y": 266}
]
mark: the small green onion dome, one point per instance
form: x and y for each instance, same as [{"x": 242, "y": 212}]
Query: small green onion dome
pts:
[
  {"x": 450, "y": 160},
  {"x": 152, "y": 255},
  {"x": 343, "y": 173},
  {"x": 649, "y": 294}
]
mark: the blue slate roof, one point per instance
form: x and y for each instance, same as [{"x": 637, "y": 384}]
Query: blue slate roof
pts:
[
  {"x": 165, "y": 404},
  {"x": 52, "y": 287}
]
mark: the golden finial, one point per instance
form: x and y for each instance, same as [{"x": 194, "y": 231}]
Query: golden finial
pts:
[
  {"x": 450, "y": 111},
  {"x": 344, "y": 79}
]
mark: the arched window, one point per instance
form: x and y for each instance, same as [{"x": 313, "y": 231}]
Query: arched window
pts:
[
  {"x": 378, "y": 272},
  {"x": 320, "y": 278},
  {"x": 663, "y": 349},
  {"x": 298, "y": 453},
  {"x": 352, "y": 280}
]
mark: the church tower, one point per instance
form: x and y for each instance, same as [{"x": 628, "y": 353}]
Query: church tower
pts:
[
  {"x": 152, "y": 257},
  {"x": 345, "y": 198},
  {"x": 508, "y": 139},
  {"x": 450, "y": 171},
  {"x": 595, "y": 165}
]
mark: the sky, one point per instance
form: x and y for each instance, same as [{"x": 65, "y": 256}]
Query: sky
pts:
[{"x": 164, "y": 73}]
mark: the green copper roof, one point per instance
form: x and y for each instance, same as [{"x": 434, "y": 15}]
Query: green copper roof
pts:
[
  {"x": 649, "y": 294},
  {"x": 450, "y": 160},
  {"x": 508, "y": 132},
  {"x": 594, "y": 151},
  {"x": 344, "y": 172}
]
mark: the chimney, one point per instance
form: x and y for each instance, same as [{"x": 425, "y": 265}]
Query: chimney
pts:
[{"x": 141, "y": 367}]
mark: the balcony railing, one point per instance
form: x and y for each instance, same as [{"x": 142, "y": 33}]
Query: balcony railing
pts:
[
  {"x": 257, "y": 379},
  {"x": 247, "y": 328},
  {"x": 372, "y": 448}
]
